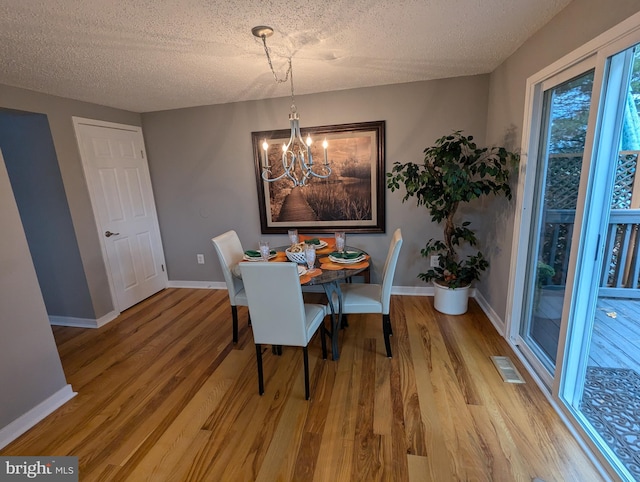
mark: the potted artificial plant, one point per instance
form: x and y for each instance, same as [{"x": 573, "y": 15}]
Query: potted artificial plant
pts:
[{"x": 455, "y": 170}]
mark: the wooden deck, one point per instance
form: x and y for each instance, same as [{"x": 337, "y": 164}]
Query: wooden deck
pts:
[{"x": 616, "y": 333}]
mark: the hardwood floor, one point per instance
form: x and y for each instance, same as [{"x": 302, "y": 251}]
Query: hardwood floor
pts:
[{"x": 163, "y": 394}]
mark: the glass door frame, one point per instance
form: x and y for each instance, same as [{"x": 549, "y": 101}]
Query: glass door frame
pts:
[
  {"x": 570, "y": 382},
  {"x": 587, "y": 247},
  {"x": 526, "y": 198}
]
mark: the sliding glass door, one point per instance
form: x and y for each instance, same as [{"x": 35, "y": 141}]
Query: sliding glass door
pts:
[
  {"x": 576, "y": 280},
  {"x": 601, "y": 375},
  {"x": 565, "y": 113}
]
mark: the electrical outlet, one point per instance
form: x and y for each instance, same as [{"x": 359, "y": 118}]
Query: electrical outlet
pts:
[
  {"x": 200, "y": 258},
  {"x": 435, "y": 261}
]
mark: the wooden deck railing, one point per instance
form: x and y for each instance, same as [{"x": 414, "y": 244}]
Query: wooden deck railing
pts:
[
  {"x": 621, "y": 273},
  {"x": 620, "y": 278}
]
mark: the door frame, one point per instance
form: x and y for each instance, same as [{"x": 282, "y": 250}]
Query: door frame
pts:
[
  {"x": 619, "y": 37},
  {"x": 77, "y": 122},
  {"x": 525, "y": 199}
]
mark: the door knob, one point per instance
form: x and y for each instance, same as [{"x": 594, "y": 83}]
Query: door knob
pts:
[{"x": 109, "y": 234}]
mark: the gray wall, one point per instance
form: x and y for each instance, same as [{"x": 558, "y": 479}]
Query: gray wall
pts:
[
  {"x": 59, "y": 112},
  {"x": 580, "y": 22},
  {"x": 203, "y": 175},
  {"x": 30, "y": 368},
  {"x": 202, "y": 167},
  {"x": 30, "y": 158}
]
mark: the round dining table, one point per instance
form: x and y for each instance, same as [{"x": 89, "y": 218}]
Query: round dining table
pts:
[{"x": 328, "y": 274}]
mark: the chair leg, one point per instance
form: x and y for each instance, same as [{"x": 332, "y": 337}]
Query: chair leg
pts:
[
  {"x": 386, "y": 329},
  {"x": 305, "y": 356},
  {"x": 323, "y": 334},
  {"x": 259, "y": 360},
  {"x": 345, "y": 321},
  {"x": 234, "y": 317}
]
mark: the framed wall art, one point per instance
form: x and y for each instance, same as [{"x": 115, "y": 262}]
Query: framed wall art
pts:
[{"x": 351, "y": 198}]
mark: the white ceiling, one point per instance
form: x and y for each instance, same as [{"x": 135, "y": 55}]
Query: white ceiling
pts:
[{"x": 148, "y": 55}]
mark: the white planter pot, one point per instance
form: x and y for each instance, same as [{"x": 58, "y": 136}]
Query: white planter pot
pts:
[{"x": 451, "y": 301}]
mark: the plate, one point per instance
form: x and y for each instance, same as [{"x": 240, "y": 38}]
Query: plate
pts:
[
  {"x": 322, "y": 244},
  {"x": 360, "y": 258},
  {"x": 258, "y": 258}
]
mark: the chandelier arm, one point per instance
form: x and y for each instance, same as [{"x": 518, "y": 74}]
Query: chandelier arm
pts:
[
  {"x": 321, "y": 176},
  {"x": 290, "y": 167},
  {"x": 265, "y": 176}
]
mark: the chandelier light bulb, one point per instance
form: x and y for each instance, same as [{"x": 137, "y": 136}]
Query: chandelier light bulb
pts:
[
  {"x": 265, "y": 147},
  {"x": 325, "y": 144}
]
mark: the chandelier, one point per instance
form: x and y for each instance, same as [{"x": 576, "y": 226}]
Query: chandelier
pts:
[{"x": 297, "y": 160}]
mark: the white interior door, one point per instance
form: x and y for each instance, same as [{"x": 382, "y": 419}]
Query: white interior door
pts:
[{"x": 115, "y": 165}]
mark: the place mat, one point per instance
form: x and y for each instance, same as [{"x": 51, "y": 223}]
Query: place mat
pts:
[
  {"x": 305, "y": 278},
  {"x": 337, "y": 266},
  {"x": 333, "y": 266},
  {"x": 360, "y": 265}
]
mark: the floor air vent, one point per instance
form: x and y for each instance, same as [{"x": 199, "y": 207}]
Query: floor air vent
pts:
[{"x": 509, "y": 373}]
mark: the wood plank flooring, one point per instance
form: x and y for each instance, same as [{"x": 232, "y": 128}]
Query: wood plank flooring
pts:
[{"x": 163, "y": 394}]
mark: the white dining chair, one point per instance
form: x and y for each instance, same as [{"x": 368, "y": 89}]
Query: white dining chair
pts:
[
  {"x": 279, "y": 315},
  {"x": 375, "y": 298},
  {"x": 230, "y": 253}
]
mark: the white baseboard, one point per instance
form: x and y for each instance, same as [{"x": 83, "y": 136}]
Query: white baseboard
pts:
[
  {"x": 497, "y": 322},
  {"x": 83, "y": 322},
  {"x": 205, "y": 285},
  {"x": 23, "y": 423},
  {"x": 412, "y": 290}
]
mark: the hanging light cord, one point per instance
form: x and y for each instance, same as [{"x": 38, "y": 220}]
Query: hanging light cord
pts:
[{"x": 288, "y": 75}]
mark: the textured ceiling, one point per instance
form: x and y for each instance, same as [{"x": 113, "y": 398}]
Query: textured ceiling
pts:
[{"x": 148, "y": 55}]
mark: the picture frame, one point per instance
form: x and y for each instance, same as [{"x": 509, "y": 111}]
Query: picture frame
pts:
[{"x": 351, "y": 198}]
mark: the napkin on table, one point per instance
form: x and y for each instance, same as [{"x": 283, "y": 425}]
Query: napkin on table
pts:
[
  {"x": 253, "y": 253},
  {"x": 345, "y": 255}
]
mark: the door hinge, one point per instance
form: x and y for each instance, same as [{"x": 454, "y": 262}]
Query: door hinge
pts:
[
  {"x": 142, "y": 153},
  {"x": 162, "y": 265}
]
